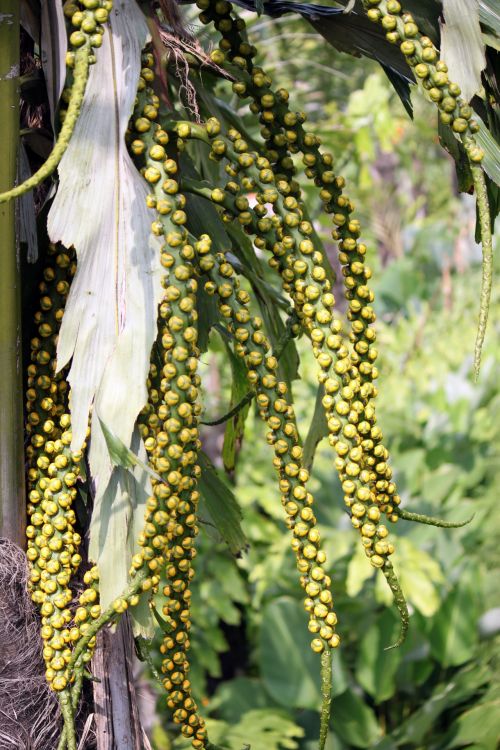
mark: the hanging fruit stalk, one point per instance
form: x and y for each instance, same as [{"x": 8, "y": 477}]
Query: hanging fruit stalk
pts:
[
  {"x": 262, "y": 369},
  {"x": 305, "y": 279},
  {"x": 87, "y": 17},
  {"x": 431, "y": 74}
]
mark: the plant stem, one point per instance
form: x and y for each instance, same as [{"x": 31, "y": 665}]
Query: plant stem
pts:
[
  {"x": 326, "y": 693},
  {"x": 69, "y": 724},
  {"x": 483, "y": 210},
  {"x": 106, "y": 617},
  {"x": 406, "y": 515},
  {"x": 12, "y": 514}
]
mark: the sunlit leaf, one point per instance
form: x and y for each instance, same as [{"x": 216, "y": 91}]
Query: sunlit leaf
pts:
[
  {"x": 358, "y": 571},
  {"x": 264, "y": 729},
  {"x": 479, "y": 725},
  {"x": 419, "y": 575}
]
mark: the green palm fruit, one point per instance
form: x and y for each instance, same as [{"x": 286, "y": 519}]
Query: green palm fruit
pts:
[
  {"x": 253, "y": 345},
  {"x": 169, "y": 423}
]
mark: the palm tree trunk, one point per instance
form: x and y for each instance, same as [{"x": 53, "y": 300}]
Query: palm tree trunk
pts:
[{"x": 12, "y": 501}]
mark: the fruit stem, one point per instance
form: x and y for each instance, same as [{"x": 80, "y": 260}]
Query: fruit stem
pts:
[
  {"x": 326, "y": 693},
  {"x": 67, "y": 713},
  {"x": 103, "y": 620},
  {"x": 405, "y": 515},
  {"x": 81, "y": 74},
  {"x": 483, "y": 210}
]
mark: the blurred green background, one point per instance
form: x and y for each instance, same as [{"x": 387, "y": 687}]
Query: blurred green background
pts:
[{"x": 252, "y": 663}]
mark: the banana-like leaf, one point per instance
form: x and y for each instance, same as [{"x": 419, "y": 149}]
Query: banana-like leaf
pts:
[
  {"x": 462, "y": 46},
  {"x": 489, "y": 15},
  {"x": 29, "y": 16},
  {"x": 53, "y": 48},
  {"x": 117, "y": 520},
  {"x": 109, "y": 323}
]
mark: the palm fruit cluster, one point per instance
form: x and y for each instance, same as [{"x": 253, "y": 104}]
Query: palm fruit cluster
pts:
[
  {"x": 86, "y": 19},
  {"x": 305, "y": 278},
  {"x": 53, "y": 471},
  {"x": 163, "y": 566},
  {"x": 169, "y": 423},
  {"x": 284, "y": 134},
  {"x": 430, "y": 71},
  {"x": 276, "y": 410}
]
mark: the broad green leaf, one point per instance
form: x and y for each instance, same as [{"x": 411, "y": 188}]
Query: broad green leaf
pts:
[
  {"x": 454, "y": 632},
  {"x": 233, "y": 698},
  {"x": 353, "y": 721},
  {"x": 264, "y": 729},
  {"x": 480, "y": 725},
  {"x": 462, "y": 686},
  {"x": 376, "y": 668},
  {"x": 462, "y": 47},
  {"x": 222, "y": 506},
  {"x": 289, "y": 668},
  {"x": 317, "y": 430}
]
